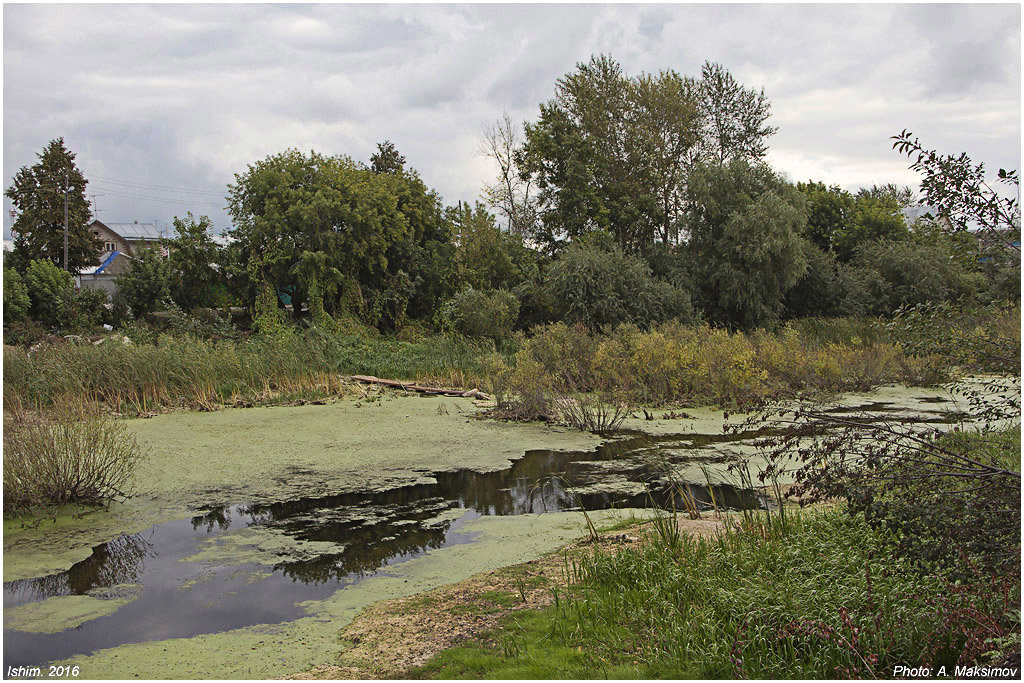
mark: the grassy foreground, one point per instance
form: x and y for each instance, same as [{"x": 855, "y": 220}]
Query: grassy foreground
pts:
[{"x": 817, "y": 594}]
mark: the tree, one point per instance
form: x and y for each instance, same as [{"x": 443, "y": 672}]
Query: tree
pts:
[
  {"x": 38, "y": 193},
  {"x": 604, "y": 287},
  {"x": 320, "y": 280},
  {"x": 734, "y": 117},
  {"x": 612, "y": 153},
  {"x": 387, "y": 159},
  {"x": 488, "y": 258},
  {"x": 745, "y": 234},
  {"x": 904, "y": 273},
  {"x": 839, "y": 221},
  {"x": 291, "y": 203},
  {"x": 872, "y": 219},
  {"x": 820, "y": 291},
  {"x": 829, "y": 209},
  {"x": 194, "y": 258},
  {"x": 511, "y": 194},
  {"x": 579, "y": 156},
  {"x": 421, "y": 272},
  {"x": 16, "y": 299},
  {"x": 146, "y": 284},
  {"x": 382, "y": 236},
  {"x": 668, "y": 128},
  {"x": 903, "y": 196},
  {"x": 957, "y": 187},
  {"x": 482, "y": 314}
]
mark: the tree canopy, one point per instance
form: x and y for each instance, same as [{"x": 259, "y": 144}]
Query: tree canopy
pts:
[
  {"x": 613, "y": 153},
  {"x": 37, "y": 193},
  {"x": 340, "y": 236},
  {"x": 745, "y": 226}
]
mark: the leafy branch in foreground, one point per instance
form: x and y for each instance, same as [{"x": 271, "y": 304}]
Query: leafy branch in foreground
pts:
[
  {"x": 953, "y": 495},
  {"x": 958, "y": 188}
]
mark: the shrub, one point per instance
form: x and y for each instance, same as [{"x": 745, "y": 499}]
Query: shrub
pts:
[
  {"x": 70, "y": 455},
  {"x": 894, "y": 274},
  {"x": 16, "y": 301},
  {"x": 201, "y": 323},
  {"x": 475, "y": 313},
  {"x": 952, "y": 497},
  {"x": 48, "y": 289},
  {"x": 85, "y": 310},
  {"x": 147, "y": 282},
  {"x": 605, "y": 287}
]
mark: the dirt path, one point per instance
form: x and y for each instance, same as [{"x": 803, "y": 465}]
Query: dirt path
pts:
[{"x": 391, "y": 637}]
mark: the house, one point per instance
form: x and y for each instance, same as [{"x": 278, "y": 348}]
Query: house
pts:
[
  {"x": 123, "y": 239},
  {"x": 914, "y": 214},
  {"x": 120, "y": 242}
]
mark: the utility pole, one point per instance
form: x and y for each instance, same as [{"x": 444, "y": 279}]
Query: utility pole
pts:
[{"x": 66, "y": 220}]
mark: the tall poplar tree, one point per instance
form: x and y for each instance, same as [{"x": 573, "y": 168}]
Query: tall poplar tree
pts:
[{"x": 38, "y": 194}]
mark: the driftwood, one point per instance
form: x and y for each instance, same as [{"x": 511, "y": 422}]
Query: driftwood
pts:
[{"x": 412, "y": 386}]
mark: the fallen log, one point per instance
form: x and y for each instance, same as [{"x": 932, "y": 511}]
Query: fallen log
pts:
[{"x": 412, "y": 386}]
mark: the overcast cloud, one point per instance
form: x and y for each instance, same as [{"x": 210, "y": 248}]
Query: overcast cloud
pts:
[{"x": 152, "y": 97}]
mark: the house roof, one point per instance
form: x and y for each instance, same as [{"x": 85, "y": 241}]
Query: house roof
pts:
[
  {"x": 912, "y": 214},
  {"x": 93, "y": 270},
  {"x": 135, "y": 231}
]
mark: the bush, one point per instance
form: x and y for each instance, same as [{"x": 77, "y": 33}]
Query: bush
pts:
[
  {"x": 819, "y": 292},
  {"x": 887, "y": 275},
  {"x": 85, "y": 310},
  {"x": 482, "y": 314},
  {"x": 201, "y": 323},
  {"x": 48, "y": 289},
  {"x": 606, "y": 287},
  {"x": 147, "y": 282},
  {"x": 70, "y": 455},
  {"x": 702, "y": 365},
  {"x": 16, "y": 301}
]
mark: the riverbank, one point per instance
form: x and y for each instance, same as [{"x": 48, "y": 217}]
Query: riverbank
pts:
[{"x": 391, "y": 638}]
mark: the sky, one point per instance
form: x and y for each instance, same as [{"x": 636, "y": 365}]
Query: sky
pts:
[{"x": 164, "y": 103}]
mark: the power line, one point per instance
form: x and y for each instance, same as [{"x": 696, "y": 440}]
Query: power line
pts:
[
  {"x": 114, "y": 192},
  {"x": 156, "y": 187}
]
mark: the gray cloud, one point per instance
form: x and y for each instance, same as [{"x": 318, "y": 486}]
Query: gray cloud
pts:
[{"x": 185, "y": 96}]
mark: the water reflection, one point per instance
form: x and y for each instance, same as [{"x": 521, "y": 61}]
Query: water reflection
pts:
[{"x": 120, "y": 561}]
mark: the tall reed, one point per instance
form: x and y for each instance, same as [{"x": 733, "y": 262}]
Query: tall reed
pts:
[{"x": 190, "y": 372}]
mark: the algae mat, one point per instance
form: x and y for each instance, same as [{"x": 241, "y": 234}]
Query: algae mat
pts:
[{"x": 261, "y": 455}]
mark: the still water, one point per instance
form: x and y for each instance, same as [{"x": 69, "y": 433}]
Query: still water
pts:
[{"x": 356, "y": 536}]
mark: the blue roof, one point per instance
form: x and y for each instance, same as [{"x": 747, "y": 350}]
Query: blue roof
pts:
[{"x": 108, "y": 261}]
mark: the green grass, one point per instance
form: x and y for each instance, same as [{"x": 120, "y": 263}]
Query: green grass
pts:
[
  {"x": 524, "y": 650},
  {"x": 819, "y": 595}
]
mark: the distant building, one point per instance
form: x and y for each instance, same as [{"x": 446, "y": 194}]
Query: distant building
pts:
[
  {"x": 915, "y": 214},
  {"x": 120, "y": 241},
  {"x": 123, "y": 239}
]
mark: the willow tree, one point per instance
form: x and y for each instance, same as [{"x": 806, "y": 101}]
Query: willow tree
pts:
[
  {"x": 342, "y": 237},
  {"x": 745, "y": 225}
]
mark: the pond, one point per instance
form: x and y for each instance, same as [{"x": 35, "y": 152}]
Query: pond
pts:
[{"x": 276, "y": 557}]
